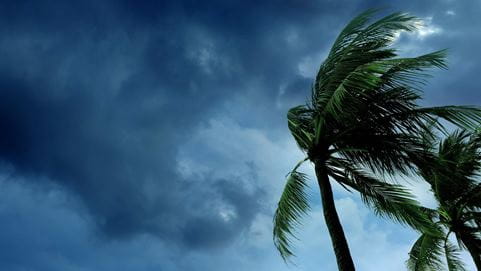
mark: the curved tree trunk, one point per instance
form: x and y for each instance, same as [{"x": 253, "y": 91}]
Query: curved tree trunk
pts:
[{"x": 339, "y": 242}]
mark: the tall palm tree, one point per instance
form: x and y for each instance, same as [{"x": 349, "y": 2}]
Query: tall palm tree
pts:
[
  {"x": 457, "y": 189},
  {"x": 360, "y": 123}
]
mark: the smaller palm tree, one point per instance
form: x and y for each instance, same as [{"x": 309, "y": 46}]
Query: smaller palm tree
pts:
[{"x": 453, "y": 180}]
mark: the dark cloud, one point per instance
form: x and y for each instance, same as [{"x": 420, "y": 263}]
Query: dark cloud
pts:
[
  {"x": 101, "y": 104},
  {"x": 104, "y": 113},
  {"x": 98, "y": 98},
  {"x": 237, "y": 208}
]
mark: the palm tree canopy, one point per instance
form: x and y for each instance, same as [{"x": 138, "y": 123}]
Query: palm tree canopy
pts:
[
  {"x": 363, "y": 120},
  {"x": 455, "y": 185},
  {"x": 458, "y": 161}
]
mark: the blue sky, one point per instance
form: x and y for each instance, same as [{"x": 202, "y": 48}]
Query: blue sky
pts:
[{"x": 151, "y": 135}]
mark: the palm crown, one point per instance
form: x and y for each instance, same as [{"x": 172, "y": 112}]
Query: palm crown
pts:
[
  {"x": 362, "y": 123},
  {"x": 455, "y": 186}
]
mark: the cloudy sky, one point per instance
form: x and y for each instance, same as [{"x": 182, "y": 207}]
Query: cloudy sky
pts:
[{"x": 151, "y": 135}]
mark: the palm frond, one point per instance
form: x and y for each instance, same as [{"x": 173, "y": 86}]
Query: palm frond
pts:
[
  {"x": 356, "y": 61},
  {"x": 299, "y": 120},
  {"x": 409, "y": 71},
  {"x": 292, "y": 205},
  {"x": 469, "y": 237},
  {"x": 452, "y": 258},
  {"x": 471, "y": 198},
  {"x": 456, "y": 168},
  {"x": 357, "y": 45},
  {"x": 383, "y": 151},
  {"x": 465, "y": 117},
  {"x": 461, "y": 151},
  {"x": 426, "y": 254},
  {"x": 347, "y": 35},
  {"x": 387, "y": 200}
]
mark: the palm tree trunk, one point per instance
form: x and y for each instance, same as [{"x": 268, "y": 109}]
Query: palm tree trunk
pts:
[{"x": 339, "y": 242}]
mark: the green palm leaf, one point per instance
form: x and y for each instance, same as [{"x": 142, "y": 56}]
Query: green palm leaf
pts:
[
  {"x": 452, "y": 258},
  {"x": 387, "y": 200},
  {"x": 299, "y": 120},
  {"x": 292, "y": 206},
  {"x": 466, "y": 117},
  {"x": 425, "y": 255}
]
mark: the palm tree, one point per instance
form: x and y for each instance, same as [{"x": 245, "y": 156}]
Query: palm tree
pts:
[
  {"x": 361, "y": 123},
  {"x": 458, "y": 193}
]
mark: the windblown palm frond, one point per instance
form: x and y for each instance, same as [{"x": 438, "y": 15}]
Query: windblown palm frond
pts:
[
  {"x": 458, "y": 164},
  {"x": 466, "y": 117},
  {"x": 292, "y": 206},
  {"x": 387, "y": 200},
  {"x": 452, "y": 258},
  {"x": 471, "y": 197},
  {"x": 426, "y": 254},
  {"x": 357, "y": 45},
  {"x": 469, "y": 238},
  {"x": 299, "y": 123}
]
